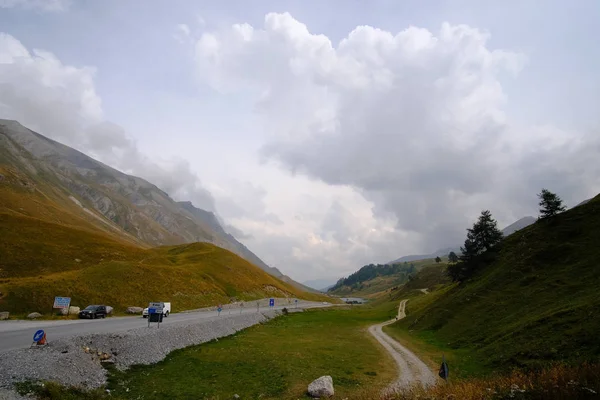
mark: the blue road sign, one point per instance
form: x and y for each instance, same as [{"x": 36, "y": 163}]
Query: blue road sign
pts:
[
  {"x": 219, "y": 309},
  {"x": 271, "y": 302},
  {"x": 296, "y": 300},
  {"x": 152, "y": 311},
  {"x": 38, "y": 336}
]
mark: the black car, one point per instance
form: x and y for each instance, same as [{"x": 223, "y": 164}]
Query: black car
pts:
[{"x": 93, "y": 312}]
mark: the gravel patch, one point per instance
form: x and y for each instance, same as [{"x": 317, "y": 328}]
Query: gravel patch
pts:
[
  {"x": 6, "y": 394},
  {"x": 77, "y": 361}
]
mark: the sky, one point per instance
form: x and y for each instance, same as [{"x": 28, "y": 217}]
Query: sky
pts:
[{"x": 326, "y": 135}]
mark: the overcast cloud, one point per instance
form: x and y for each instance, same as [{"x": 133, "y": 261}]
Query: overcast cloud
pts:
[
  {"x": 324, "y": 140},
  {"x": 40, "y": 5},
  {"x": 413, "y": 119}
]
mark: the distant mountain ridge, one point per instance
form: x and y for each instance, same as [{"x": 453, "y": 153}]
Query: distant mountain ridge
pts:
[
  {"x": 34, "y": 167},
  {"x": 509, "y": 230},
  {"x": 320, "y": 284}
]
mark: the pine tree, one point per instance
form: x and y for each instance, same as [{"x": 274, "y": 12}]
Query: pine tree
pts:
[
  {"x": 452, "y": 257},
  {"x": 438, "y": 260},
  {"x": 551, "y": 204},
  {"x": 483, "y": 236}
]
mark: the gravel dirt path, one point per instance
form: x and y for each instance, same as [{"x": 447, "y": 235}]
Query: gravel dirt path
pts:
[{"x": 411, "y": 370}]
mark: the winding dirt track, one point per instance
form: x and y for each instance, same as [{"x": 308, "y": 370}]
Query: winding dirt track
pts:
[{"x": 411, "y": 370}]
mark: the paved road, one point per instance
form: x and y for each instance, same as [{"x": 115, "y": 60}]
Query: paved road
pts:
[
  {"x": 411, "y": 370},
  {"x": 19, "y": 334}
]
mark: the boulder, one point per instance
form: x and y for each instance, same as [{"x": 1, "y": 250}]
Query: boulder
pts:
[
  {"x": 3, "y": 315},
  {"x": 109, "y": 310},
  {"x": 134, "y": 310},
  {"x": 34, "y": 315},
  {"x": 321, "y": 387},
  {"x": 73, "y": 310}
]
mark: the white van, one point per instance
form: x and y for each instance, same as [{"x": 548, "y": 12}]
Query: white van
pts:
[{"x": 166, "y": 306}]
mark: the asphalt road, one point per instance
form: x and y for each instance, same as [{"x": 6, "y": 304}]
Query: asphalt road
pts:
[{"x": 19, "y": 334}]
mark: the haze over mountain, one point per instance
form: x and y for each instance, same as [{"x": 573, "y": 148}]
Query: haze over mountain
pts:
[
  {"x": 124, "y": 206},
  {"x": 320, "y": 284},
  {"x": 509, "y": 230}
]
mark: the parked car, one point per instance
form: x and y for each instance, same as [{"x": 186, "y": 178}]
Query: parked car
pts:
[
  {"x": 166, "y": 306},
  {"x": 93, "y": 312}
]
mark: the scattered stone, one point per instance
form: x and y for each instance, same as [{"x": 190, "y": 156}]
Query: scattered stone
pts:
[
  {"x": 77, "y": 260},
  {"x": 236, "y": 396},
  {"x": 34, "y": 315},
  {"x": 108, "y": 361},
  {"x": 134, "y": 310},
  {"x": 4, "y": 315},
  {"x": 321, "y": 387}
]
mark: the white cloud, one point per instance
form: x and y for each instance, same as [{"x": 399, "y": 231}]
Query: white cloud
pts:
[
  {"x": 61, "y": 102},
  {"x": 182, "y": 33},
  {"x": 415, "y": 121},
  {"x": 42, "y": 5}
]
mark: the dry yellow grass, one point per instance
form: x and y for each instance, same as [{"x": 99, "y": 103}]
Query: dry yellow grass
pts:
[
  {"x": 554, "y": 383},
  {"x": 41, "y": 260}
]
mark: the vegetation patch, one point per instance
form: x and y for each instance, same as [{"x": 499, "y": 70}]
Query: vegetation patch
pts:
[
  {"x": 41, "y": 260},
  {"x": 535, "y": 302}
]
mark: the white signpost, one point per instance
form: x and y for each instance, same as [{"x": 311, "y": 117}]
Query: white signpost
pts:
[{"x": 62, "y": 302}]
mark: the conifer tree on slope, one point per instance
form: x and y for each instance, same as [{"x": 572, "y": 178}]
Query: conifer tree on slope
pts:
[
  {"x": 481, "y": 237},
  {"x": 452, "y": 257},
  {"x": 550, "y": 204}
]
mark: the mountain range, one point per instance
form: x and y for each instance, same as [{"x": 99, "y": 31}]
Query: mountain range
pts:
[
  {"x": 509, "y": 230},
  {"x": 47, "y": 180},
  {"x": 320, "y": 284}
]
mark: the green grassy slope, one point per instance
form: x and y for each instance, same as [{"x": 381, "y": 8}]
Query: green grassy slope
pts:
[
  {"x": 377, "y": 285},
  {"x": 41, "y": 260},
  {"x": 538, "y": 302}
]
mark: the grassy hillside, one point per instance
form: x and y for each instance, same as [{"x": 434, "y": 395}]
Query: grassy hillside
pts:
[
  {"x": 368, "y": 282},
  {"x": 44, "y": 179},
  {"x": 41, "y": 260},
  {"x": 537, "y": 302}
]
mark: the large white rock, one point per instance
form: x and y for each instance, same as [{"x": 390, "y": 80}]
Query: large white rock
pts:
[
  {"x": 109, "y": 310},
  {"x": 34, "y": 315},
  {"x": 73, "y": 310},
  {"x": 134, "y": 310},
  {"x": 322, "y": 387},
  {"x": 4, "y": 315}
]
